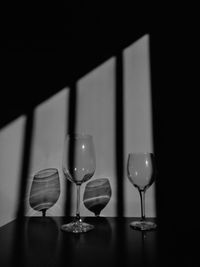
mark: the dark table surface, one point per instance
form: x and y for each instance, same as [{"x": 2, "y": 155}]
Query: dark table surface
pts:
[{"x": 38, "y": 241}]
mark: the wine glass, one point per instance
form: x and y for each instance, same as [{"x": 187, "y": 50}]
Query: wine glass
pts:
[
  {"x": 141, "y": 173},
  {"x": 45, "y": 190},
  {"x": 78, "y": 166},
  {"x": 97, "y": 194}
]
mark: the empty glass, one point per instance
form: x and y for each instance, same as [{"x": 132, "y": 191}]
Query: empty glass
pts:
[
  {"x": 78, "y": 166},
  {"x": 141, "y": 173}
]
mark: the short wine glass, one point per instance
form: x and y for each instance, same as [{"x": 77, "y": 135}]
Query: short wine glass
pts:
[
  {"x": 45, "y": 190},
  {"x": 78, "y": 166},
  {"x": 141, "y": 173},
  {"x": 97, "y": 194}
]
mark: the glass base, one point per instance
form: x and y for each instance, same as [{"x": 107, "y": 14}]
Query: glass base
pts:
[
  {"x": 143, "y": 225},
  {"x": 77, "y": 227}
]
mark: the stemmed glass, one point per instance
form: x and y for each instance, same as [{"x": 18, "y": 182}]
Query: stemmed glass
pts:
[
  {"x": 97, "y": 194},
  {"x": 78, "y": 166},
  {"x": 141, "y": 173},
  {"x": 45, "y": 190}
]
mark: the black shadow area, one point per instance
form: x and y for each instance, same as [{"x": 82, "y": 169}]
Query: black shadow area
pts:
[
  {"x": 71, "y": 129},
  {"x": 171, "y": 126},
  {"x": 25, "y": 162},
  {"x": 175, "y": 109},
  {"x": 119, "y": 133}
]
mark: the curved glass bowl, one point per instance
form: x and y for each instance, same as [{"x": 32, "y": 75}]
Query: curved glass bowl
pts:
[
  {"x": 45, "y": 190},
  {"x": 97, "y": 194}
]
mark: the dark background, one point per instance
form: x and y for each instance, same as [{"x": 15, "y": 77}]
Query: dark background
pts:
[{"x": 46, "y": 48}]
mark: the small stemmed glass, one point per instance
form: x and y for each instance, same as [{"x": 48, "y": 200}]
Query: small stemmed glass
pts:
[
  {"x": 78, "y": 166},
  {"x": 97, "y": 194},
  {"x": 141, "y": 173},
  {"x": 45, "y": 190}
]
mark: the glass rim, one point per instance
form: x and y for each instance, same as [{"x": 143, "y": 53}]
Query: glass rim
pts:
[{"x": 41, "y": 173}]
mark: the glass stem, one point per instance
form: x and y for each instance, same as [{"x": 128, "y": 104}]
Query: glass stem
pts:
[
  {"x": 142, "y": 198},
  {"x": 43, "y": 213},
  {"x": 78, "y": 203}
]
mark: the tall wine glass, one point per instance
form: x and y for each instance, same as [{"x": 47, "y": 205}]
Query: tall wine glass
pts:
[
  {"x": 97, "y": 194},
  {"x": 141, "y": 173},
  {"x": 45, "y": 190},
  {"x": 78, "y": 166}
]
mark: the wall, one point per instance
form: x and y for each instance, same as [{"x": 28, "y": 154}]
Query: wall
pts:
[
  {"x": 11, "y": 143},
  {"x": 96, "y": 116}
]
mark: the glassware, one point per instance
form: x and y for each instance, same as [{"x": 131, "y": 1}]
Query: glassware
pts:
[
  {"x": 141, "y": 173},
  {"x": 45, "y": 190},
  {"x": 78, "y": 166},
  {"x": 97, "y": 194}
]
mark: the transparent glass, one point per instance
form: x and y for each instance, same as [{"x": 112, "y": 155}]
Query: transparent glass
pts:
[
  {"x": 78, "y": 166},
  {"x": 45, "y": 190},
  {"x": 141, "y": 173},
  {"x": 97, "y": 194}
]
